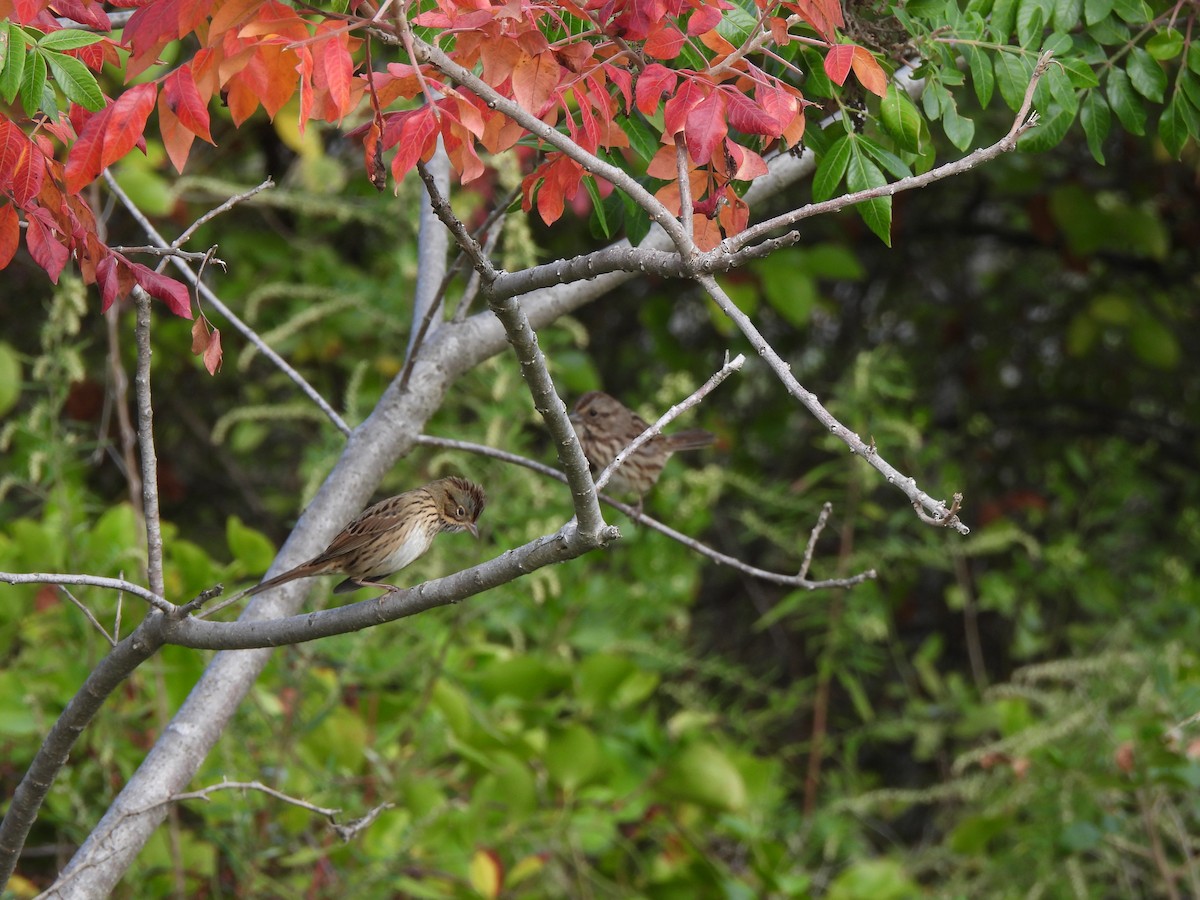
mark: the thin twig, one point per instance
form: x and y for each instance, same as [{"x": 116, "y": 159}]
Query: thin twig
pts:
[
  {"x": 692, "y": 544},
  {"x": 145, "y": 415},
  {"x": 190, "y": 255},
  {"x": 1023, "y": 122},
  {"x": 112, "y": 584},
  {"x": 88, "y": 613},
  {"x": 345, "y": 832},
  {"x": 249, "y": 333},
  {"x": 730, "y": 366},
  {"x": 783, "y": 371},
  {"x": 529, "y": 354},
  {"x": 811, "y": 546},
  {"x": 217, "y": 210}
]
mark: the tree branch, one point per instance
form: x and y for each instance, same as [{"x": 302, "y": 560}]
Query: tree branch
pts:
[
  {"x": 784, "y": 372},
  {"x": 730, "y": 366}
]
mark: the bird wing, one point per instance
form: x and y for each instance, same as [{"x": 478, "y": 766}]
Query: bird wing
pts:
[{"x": 373, "y": 521}]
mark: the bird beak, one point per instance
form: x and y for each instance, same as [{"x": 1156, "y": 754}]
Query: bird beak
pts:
[{"x": 474, "y": 529}]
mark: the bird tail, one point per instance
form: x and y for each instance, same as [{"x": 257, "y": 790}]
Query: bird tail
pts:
[
  {"x": 290, "y": 575},
  {"x": 692, "y": 439}
]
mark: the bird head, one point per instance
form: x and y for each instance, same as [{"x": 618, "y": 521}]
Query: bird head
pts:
[{"x": 459, "y": 503}]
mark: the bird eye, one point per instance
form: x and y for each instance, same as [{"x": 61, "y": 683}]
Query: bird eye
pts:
[
  {"x": 461, "y": 513},
  {"x": 593, "y": 412}
]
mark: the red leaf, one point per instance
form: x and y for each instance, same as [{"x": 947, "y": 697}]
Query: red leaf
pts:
[
  {"x": 154, "y": 25},
  {"x": 10, "y": 234},
  {"x": 22, "y": 165},
  {"x": 748, "y": 117},
  {"x": 654, "y": 83},
  {"x": 623, "y": 80},
  {"x": 664, "y": 43},
  {"x": 415, "y": 131},
  {"x": 680, "y": 105},
  {"x": 704, "y": 19},
  {"x": 45, "y": 249},
  {"x": 869, "y": 73},
  {"x": 109, "y": 135},
  {"x": 180, "y": 95},
  {"x": 838, "y": 61},
  {"x": 168, "y": 290},
  {"x": 706, "y": 127},
  {"x": 534, "y": 79}
]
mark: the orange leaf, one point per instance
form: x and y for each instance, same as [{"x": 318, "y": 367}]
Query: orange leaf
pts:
[
  {"x": 869, "y": 73},
  {"x": 212, "y": 354},
  {"x": 10, "y": 233},
  {"x": 534, "y": 79},
  {"x": 177, "y": 140},
  {"x": 499, "y": 57},
  {"x": 199, "y": 336}
]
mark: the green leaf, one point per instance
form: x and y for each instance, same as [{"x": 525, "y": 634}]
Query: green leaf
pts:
[
  {"x": 1155, "y": 343},
  {"x": 1096, "y": 120},
  {"x": 33, "y": 84},
  {"x": 1013, "y": 72},
  {"x": 959, "y": 129},
  {"x": 792, "y": 294},
  {"x": 597, "y": 205},
  {"x": 1031, "y": 20},
  {"x": 830, "y": 169},
  {"x": 249, "y": 547},
  {"x": 1052, "y": 127},
  {"x": 1193, "y": 57},
  {"x": 982, "y": 77},
  {"x": 1061, "y": 89},
  {"x": 862, "y": 174},
  {"x": 1067, "y": 14},
  {"x": 890, "y": 161},
  {"x": 1146, "y": 75},
  {"x": 901, "y": 119},
  {"x": 77, "y": 82},
  {"x": 642, "y": 139},
  {"x": 1110, "y": 32},
  {"x": 573, "y": 757},
  {"x": 1172, "y": 129},
  {"x": 1078, "y": 71},
  {"x": 1004, "y": 13},
  {"x": 1190, "y": 83},
  {"x": 1095, "y": 10},
  {"x": 1125, "y": 103},
  {"x": 68, "y": 39},
  {"x": 1166, "y": 44},
  {"x": 1135, "y": 12},
  {"x": 637, "y": 222},
  {"x": 13, "y": 74},
  {"x": 701, "y": 773},
  {"x": 10, "y": 378}
]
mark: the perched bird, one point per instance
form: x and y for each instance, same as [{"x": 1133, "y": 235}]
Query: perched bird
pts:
[
  {"x": 605, "y": 426},
  {"x": 391, "y": 534}
]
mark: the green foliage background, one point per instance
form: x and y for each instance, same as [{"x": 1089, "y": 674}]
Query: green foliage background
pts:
[{"x": 1005, "y": 714}]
